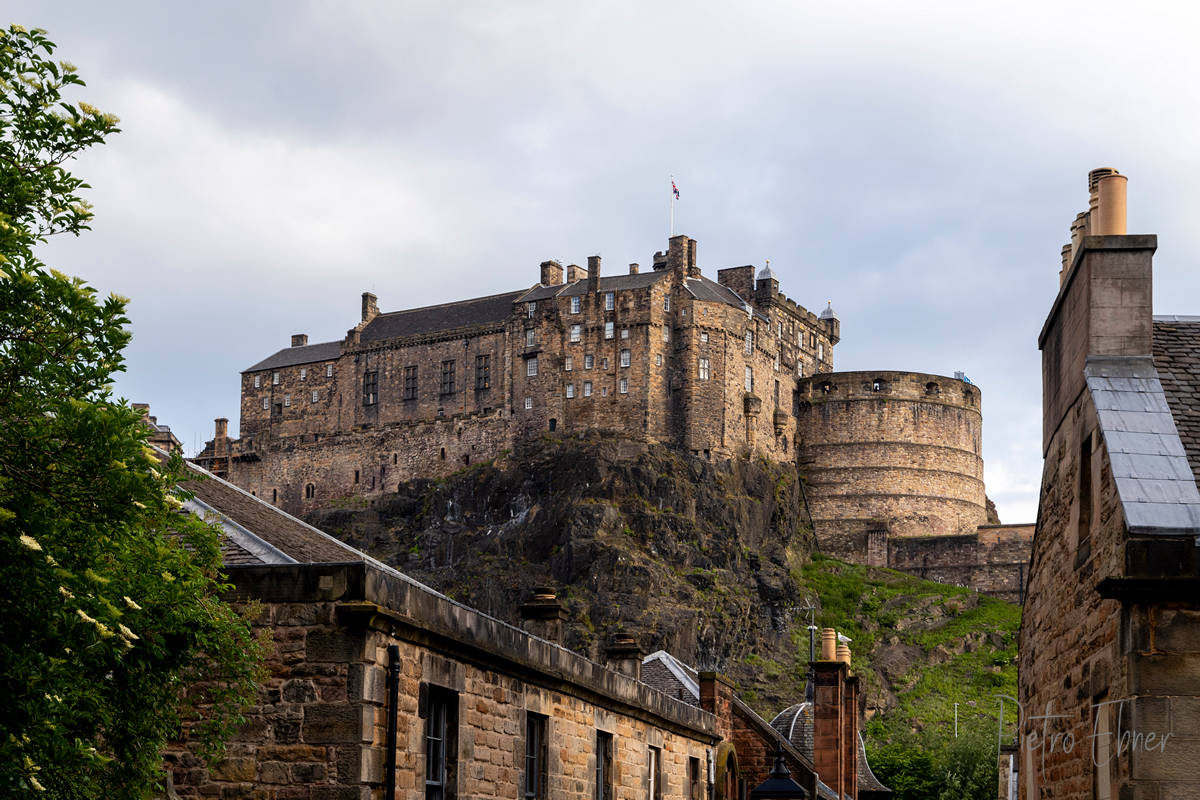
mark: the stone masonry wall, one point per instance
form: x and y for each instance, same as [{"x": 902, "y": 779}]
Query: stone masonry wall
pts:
[{"x": 994, "y": 560}]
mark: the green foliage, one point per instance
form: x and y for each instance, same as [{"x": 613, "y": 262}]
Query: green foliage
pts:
[
  {"x": 112, "y": 623},
  {"x": 940, "y": 766}
]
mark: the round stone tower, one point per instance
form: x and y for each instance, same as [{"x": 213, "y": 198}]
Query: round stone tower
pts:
[{"x": 889, "y": 454}]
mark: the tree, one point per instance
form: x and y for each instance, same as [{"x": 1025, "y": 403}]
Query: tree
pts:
[{"x": 111, "y": 622}]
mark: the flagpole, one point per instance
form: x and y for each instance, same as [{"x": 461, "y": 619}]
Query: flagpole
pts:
[{"x": 672, "y": 206}]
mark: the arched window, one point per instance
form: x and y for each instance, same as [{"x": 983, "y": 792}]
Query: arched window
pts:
[
  {"x": 553, "y": 423},
  {"x": 310, "y": 492}
]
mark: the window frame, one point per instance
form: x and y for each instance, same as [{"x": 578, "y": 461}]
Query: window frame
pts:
[
  {"x": 623, "y": 386},
  {"x": 370, "y": 387},
  {"x": 704, "y": 369},
  {"x": 441, "y": 751},
  {"x": 587, "y": 388},
  {"x": 576, "y": 303},
  {"x": 537, "y": 754},
  {"x": 576, "y": 333},
  {"x": 483, "y": 372},
  {"x": 410, "y": 382},
  {"x": 625, "y": 357},
  {"x": 609, "y": 329},
  {"x": 603, "y": 785},
  {"x": 610, "y": 301},
  {"x": 449, "y": 376}
]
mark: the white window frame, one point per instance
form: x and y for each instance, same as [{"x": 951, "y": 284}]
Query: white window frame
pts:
[
  {"x": 610, "y": 301},
  {"x": 570, "y": 391},
  {"x": 530, "y": 310},
  {"x": 658, "y": 359},
  {"x": 274, "y": 378},
  {"x": 587, "y": 388},
  {"x": 608, "y": 330},
  {"x": 666, "y": 302},
  {"x": 287, "y": 401},
  {"x": 530, "y": 337},
  {"x": 589, "y": 361},
  {"x": 576, "y": 332},
  {"x": 531, "y": 367},
  {"x": 575, "y": 303},
  {"x": 266, "y": 404},
  {"x": 749, "y": 342},
  {"x": 303, "y": 373},
  {"x": 749, "y": 378},
  {"x": 666, "y": 333},
  {"x": 705, "y": 369},
  {"x": 623, "y": 386},
  {"x": 528, "y": 403},
  {"x": 625, "y": 358},
  {"x": 624, "y": 333},
  {"x": 329, "y": 370},
  {"x": 315, "y": 395},
  {"x": 704, "y": 337},
  {"x": 568, "y": 363},
  {"x": 820, "y": 351},
  {"x": 257, "y": 381}
]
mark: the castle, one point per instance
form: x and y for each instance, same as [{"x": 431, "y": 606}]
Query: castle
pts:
[{"x": 718, "y": 369}]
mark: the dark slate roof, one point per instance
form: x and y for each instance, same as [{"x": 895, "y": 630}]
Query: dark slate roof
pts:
[
  {"x": 704, "y": 289},
  {"x": 607, "y": 283},
  {"x": 444, "y": 317},
  {"x": 1177, "y": 358},
  {"x": 294, "y": 356},
  {"x": 1155, "y": 483},
  {"x": 662, "y": 671}
]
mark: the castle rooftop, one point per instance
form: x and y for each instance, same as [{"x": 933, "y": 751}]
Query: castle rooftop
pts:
[{"x": 294, "y": 356}]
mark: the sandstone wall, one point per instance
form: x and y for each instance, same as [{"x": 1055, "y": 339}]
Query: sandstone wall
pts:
[{"x": 994, "y": 560}]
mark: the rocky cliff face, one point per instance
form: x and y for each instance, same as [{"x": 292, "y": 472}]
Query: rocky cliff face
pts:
[{"x": 712, "y": 561}]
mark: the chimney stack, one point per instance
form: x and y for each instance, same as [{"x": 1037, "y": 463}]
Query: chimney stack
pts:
[
  {"x": 299, "y": 339},
  {"x": 835, "y": 716},
  {"x": 624, "y": 655},
  {"x": 222, "y": 428},
  {"x": 370, "y": 310},
  {"x": 593, "y": 274},
  {"x": 543, "y": 615},
  {"x": 575, "y": 273},
  {"x": 552, "y": 273},
  {"x": 829, "y": 644},
  {"x": 1109, "y": 218},
  {"x": 693, "y": 271},
  {"x": 633, "y": 268}
]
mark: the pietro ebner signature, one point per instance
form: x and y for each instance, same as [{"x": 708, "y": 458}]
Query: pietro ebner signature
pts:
[{"x": 1104, "y": 744}]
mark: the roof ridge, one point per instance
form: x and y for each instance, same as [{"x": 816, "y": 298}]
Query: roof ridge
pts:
[{"x": 435, "y": 306}]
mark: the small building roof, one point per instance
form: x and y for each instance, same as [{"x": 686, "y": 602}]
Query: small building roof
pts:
[
  {"x": 295, "y": 356},
  {"x": 492, "y": 309}
]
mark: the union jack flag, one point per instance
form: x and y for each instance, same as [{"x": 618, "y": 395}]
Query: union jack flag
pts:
[{"x": 674, "y": 190}]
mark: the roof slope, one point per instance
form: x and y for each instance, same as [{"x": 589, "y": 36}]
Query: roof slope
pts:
[
  {"x": 292, "y": 356},
  {"x": 434, "y": 319},
  {"x": 795, "y": 724},
  {"x": 1177, "y": 358},
  {"x": 1155, "y": 483}
]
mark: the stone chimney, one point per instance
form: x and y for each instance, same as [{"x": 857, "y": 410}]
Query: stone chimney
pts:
[
  {"x": 299, "y": 339},
  {"x": 831, "y": 730},
  {"x": 552, "y": 273},
  {"x": 222, "y": 428},
  {"x": 624, "y": 655},
  {"x": 1103, "y": 306},
  {"x": 678, "y": 254},
  {"x": 633, "y": 268},
  {"x": 593, "y": 274},
  {"x": 693, "y": 270},
  {"x": 716, "y": 697},
  {"x": 575, "y": 273},
  {"x": 739, "y": 279},
  {"x": 543, "y": 615},
  {"x": 370, "y": 309},
  {"x": 660, "y": 260}
]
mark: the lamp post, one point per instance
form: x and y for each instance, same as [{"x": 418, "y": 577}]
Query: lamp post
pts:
[{"x": 779, "y": 784}]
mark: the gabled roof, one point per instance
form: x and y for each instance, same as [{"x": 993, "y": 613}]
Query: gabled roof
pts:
[
  {"x": 1154, "y": 481},
  {"x": 447, "y": 316},
  {"x": 1177, "y": 359},
  {"x": 704, "y": 289},
  {"x": 606, "y": 283},
  {"x": 294, "y": 356}
]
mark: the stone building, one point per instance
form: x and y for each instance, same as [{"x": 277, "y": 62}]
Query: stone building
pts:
[
  {"x": 381, "y": 687},
  {"x": 665, "y": 355},
  {"x": 1110, "y": 636}
]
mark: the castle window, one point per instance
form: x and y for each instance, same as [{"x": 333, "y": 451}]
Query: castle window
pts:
[
  {"x": 826, "y": 387},
  {"x": 575, "y": 304},
  {"x": 483, "y": 372},
  {"x": 257, "y": 381},
  {"x": 530, "y": 310},
  {"x": 666, "y": 333},
  {"x": 568, "y": 363},
  {"x": 410, "y": 382},
  {"x": 820, "y": 351},
  {"x": 576, "y": 330},
  {"x": 329, "y": 370},
  {"x": 666, "y": 302},
  {"x": 274, "y": 495},
  {"x": 812, "y": 340},
  {"x": 608, "y": 330},
  {"x": 749, "y": 379},
  {"x": 528, "y": 403},
  {"x": 303, "y": 373},
  {"x": 356, "y": 476},
  {"x": 704, "y": 336},
  {"x": 553, "y": 425},
  {"x": 776, "y": 393},
  {"x": 587, "y": 388},
  {"x": 588, "y": 361},
  {"x": 315, "y": 395},
  {"x": 531, "y": 367},
  {"x": 310, "y": 492},
  {"x": 370, "y": 388},
  {"x": 779, "y": 330},
  {"x": 287, "y": 400},
  {"x": 570, "y": 390},
  {"x": 877, "y": 385},
  {"x": 777, "y": 355},
  {"x": 624, "y": 333},
  {"x": 932, "y": 388},
  {"x": 275, "y": 378},
  {"x": 530, "y": 337},
  {"x": 448, "y": 377},
  {"x": 704, "y": 369},
  {"x": 624, "y": 358},
  {"x": 604, "y": 363},
  {"x": 604, "y": 391},
  {"x": 609, "y": 300},
  {"x": 749, "y": 343},
  {"x": 658, "y": 359},
  {"x": 266, "y": 403},
  {"x": 623, "y": 386},
  {"x": 799, "y": 369}
]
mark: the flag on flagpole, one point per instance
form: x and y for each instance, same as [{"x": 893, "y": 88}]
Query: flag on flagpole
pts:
[{"x": 674, "y": 190}]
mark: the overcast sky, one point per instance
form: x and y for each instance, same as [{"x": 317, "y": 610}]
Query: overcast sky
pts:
[{"x": 918, "y": 164}]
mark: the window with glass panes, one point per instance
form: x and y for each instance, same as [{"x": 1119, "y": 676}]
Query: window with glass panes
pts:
[
  {"x": 410, "y": 382},
  {"x": 441, "y": 743},
  {"x": 483, "y": 372},
  {"x": 535, "y": 756},
  {"x": 370, "y": 388},
  {"x": 448, "y": 377}
]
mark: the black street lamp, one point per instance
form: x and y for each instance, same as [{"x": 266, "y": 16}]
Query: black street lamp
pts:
[{"x": 779, "y": 784}]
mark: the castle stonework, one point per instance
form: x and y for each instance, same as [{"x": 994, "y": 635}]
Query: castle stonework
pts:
[{"x": 719, "y": 369}]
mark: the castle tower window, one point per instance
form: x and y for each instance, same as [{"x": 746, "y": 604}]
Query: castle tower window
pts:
[
  {"x": 610, "y": 299},
  {"x": 777, "y": 355},
  {"x": 356, "y": 476},
  {"x": 658, "y": 359},
  {"x": 776, "y": 393},
  {"x": 820, "y": 351},
  {"x": 624, "y": 358},
  {"x": 799, "y": 369},
  {"x": 704, "y": 369},
  {"x": 530, "y": 310},
  {"x": 410, "y": 382},
  {"x": 553, "y": 424},
  {"x": 310, "y": 492},
  {"x": 530, "y": 337},
  {"x": 576, "y": 330},
  {"x": 266, "y": 403},
  {"x": 779, "y": 330},
  {"x": 316, "y": 395},
  {"x": 448, "y": 376},
  {"x": 531, "y": 367},
  {"x": 604, "y": 363},
  {"x": 257, "y": 381},
  {"x": 876, "y": 385},
  {"x": 441, "y": 742},
  {"x": 666, "y": 302},
  {"x": 932, "y": 388},
  {"x": 704, "y": 337},
  {"x": 274, "y": 378},
  {"x": 666, "y": 333},
  {"x": 303, "y": 373},
  {"x": 624, "y": 333},
  {"x": 749, "y": 379},
  {"x": 608, "y": 330},
  {"x": 588, "y": 361},
  {"x": 749, "y": 343},
  {"x": 287, "y": 400},
  {"x": 575, "y": 304},
  {"x": 274, "y": 495},
  {"x": 483, "y": 372},
  {"x": 528, "y": 403},
  {"x": 826, "y": 387},
  {"x": 443, "y": 454},
  {"x": 812, "y": 340},
  {"x": 587, "y": 388},
  {"x": 570, "y": 391},
  {"x": 623, "y": 386},
  {"x": 329, "y": 370},
  {"x": 568, "y": 363},
  {"x": 370, "y": 388}
]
